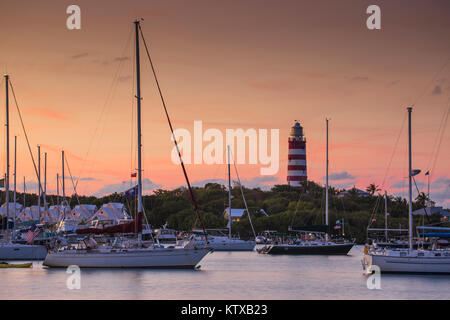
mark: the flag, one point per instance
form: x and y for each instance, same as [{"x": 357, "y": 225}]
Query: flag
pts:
[
  {"x": 2, "y": 183},
  {"x": 133, "y": 175},
  {"x": 32, "y": 233},
  {"x": 131, "y": 192}
]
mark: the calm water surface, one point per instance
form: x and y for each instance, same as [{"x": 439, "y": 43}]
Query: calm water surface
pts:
[{"x": 227, "y": 275}]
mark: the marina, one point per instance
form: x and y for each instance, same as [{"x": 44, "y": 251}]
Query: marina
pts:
[{"x": 161, "y": 152}]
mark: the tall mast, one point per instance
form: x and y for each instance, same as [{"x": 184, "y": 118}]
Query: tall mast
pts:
[
  {"x": 39, "y": 183},
  {"x": 229, "y": 194},
  {"x": 410, "y": 228},
  {"x": 45, "y": 182},
  {"x": 57, "y": 189},
  {"x": 326, "y": 186},
  {"x": 7, "y": 155},
  {"x": 15, "y": 185},
  {"x": 24, "y": 193},
  {"x": 139, "y": 143},
  {"x": 63, "y": 182},
  {"x": 385, "y": 215}
]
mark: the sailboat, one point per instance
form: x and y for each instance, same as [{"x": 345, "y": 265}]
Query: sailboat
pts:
[
  {"x": 311, "y": 242},
  {"x": 88, "y": 254},
  {"x": 409, "y": 260},
  {"x": 8, "y": 249},
  {"x": 222, "y": 242}
]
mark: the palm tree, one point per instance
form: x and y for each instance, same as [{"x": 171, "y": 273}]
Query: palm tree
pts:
[
  {"x": 372, "y": 188},
  {"x": 422, "y": 199}
]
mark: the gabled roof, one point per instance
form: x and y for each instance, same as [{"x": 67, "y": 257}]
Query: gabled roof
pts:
[
  {"x": 84, "y": 211},
  {"x": 11, "y": 209},
  {"x": 111, "y": 211},
  {"x": 30, "y": 213},
  {"x": 56, "y": 213}
]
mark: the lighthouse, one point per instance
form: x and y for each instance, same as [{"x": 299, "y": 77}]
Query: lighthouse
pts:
[{"x": 296, "y": 156}]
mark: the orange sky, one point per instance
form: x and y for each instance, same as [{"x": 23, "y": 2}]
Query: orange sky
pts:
[{"x": 232, "y": 64}]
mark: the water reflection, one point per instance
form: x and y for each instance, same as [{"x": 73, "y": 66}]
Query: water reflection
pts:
[{"x": 227, "y": 275}]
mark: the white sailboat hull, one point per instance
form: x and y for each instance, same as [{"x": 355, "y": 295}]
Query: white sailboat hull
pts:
[
  {"x": 14, "y": 251},
  {"x": 411, "y": 264},
  {"x": 178, "y": 258},
  {"x": 226, "y": 244}
]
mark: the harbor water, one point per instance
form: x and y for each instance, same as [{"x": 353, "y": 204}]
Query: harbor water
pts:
[{"x": 228, "y": 275}]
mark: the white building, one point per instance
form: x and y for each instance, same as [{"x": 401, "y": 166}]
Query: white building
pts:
[
  {"x": 31, "y": 214},
  {"x": 84, "y": 212},
  {"x": 11, "y": 209},
  {"x": 112, "y": 211},
  {"x": 353, "y": 191}
]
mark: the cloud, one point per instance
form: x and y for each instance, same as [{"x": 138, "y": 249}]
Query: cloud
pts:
[
  {"x": 273, "y": 85},
  {"x": 316, "y": 75},
  {"x": 47, "y": 113},
  {"x": 437, "y": 90},
  {"x": 124, "y": 78},
  {"x": 344, "y": 175},
  {"x": 403, "y": 184},
  {"x": 147, "y": 185},
  {"x": 360, "y": 78},
  {"x": 120, "y": 59},
  {"x": 392, "y": 83},
  {"x": 399, "y": 184},
  {"x": 442, "y": 181},
  {"x": 79, "y": 55}
]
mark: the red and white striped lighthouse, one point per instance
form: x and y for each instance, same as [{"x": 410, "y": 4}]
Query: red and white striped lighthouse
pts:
[{"x": 296, "y": 156}]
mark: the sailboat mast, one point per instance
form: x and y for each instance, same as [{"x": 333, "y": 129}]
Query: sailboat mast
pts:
[
  {"x": 385, "y": 216},
  {"x": 7, "y": 154},
  {"x": 15, "y": 182},
  {"x": 63, "y": 182},
  {"x": 410, "y": 220},
  {"x": 229, "y": 193},
  {"x": 24, "y": 194},
  {"x": 139, "y": 143},
  {"x": 57, "y": 189},
  {"x": 326, "y": 185},
  {"x": 39, "y": 183},
  {"x": 45, "y": 182}
]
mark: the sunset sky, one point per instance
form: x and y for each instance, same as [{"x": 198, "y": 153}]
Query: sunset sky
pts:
[{"x": 232, "y": 64}]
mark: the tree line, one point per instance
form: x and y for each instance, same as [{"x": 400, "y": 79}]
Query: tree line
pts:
[{"x": 285, "y": 205}]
